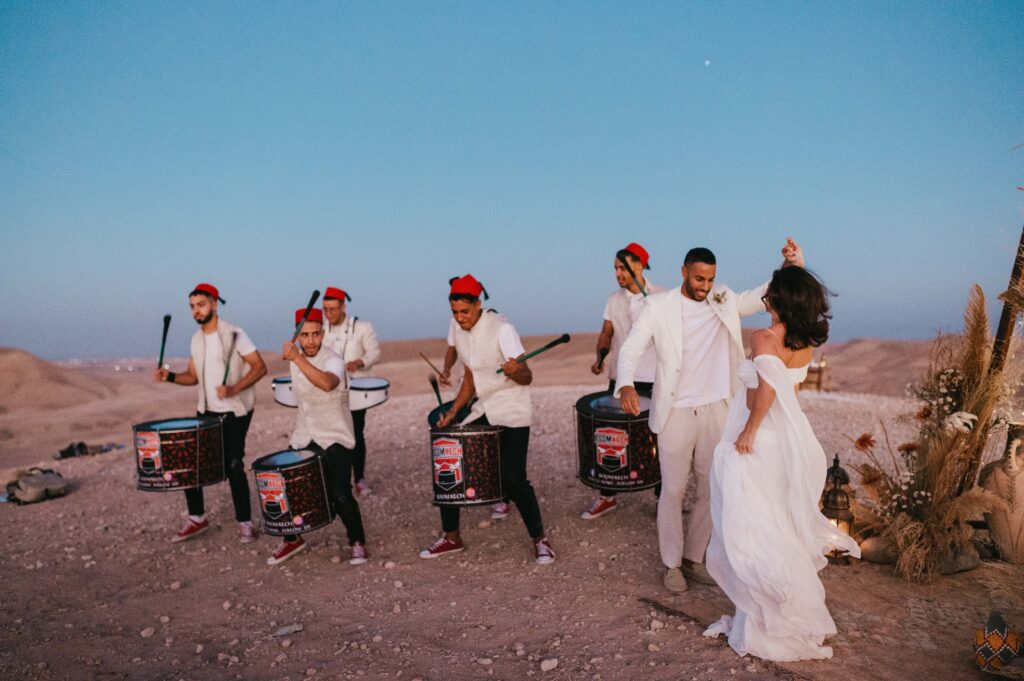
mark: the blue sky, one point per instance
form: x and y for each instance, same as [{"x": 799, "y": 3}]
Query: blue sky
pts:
[{"x": 274, "y": 148}]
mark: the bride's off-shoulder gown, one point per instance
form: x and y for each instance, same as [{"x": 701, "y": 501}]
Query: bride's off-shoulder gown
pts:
[{"x": 769, "y": 539}]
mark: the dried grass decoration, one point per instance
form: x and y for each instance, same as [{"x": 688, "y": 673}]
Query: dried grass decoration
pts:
[
  {"x": 995, "y": 644},
  {"x": 921, "y": 499}
]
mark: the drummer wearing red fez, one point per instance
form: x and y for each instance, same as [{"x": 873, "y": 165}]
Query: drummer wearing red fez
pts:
[
  {"x": 620, "y": 312},
  {"x": 231, "y": 400},
  {"x": 499, "y": 510},
  {"x": 486, "y": 342},
  {"x": 356, "y": 342},
  {"x": 324, "y": 424}
]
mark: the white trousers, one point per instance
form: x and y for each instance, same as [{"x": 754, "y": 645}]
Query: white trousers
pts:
[{"x": 688, "y": 440}]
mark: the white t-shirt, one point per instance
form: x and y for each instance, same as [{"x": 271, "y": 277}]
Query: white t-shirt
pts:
[
  {"x": 705, "y": 375},
  {"x": 213, "y": 367},
  {"x": 648, "y": 363},
  {"x": 508, "y": 339}
]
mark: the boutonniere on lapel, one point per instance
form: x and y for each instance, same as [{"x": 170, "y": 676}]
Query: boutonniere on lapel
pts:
[{"x": 718, "y": 297}]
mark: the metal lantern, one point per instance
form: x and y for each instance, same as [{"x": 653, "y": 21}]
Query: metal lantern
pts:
[{"x": 835, "y": 502}]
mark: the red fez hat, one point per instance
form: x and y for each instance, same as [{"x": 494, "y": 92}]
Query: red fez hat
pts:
[
  {"x": 332, "y": 293},
  {"x": 640, "y": 252},
  {"x": 315, "y": 315},
  {"x": 467, "y": 285},
  {"x": 207, "y": 289}
]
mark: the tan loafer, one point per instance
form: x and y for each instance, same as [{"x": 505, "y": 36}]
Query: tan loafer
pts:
[
  {"x": 698, "y": 573},
  {"x": 674, "y": 580}
]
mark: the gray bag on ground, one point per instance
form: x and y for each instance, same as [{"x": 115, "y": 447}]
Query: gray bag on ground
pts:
[{"x": 39, "y": 484}]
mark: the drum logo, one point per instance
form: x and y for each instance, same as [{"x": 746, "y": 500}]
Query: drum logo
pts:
[
  {"x": 272, "y": 493},
  {"x": 147, "y": 447},
  {"x": 447, "y": 454},
  {"x": 612, "y": 448}
]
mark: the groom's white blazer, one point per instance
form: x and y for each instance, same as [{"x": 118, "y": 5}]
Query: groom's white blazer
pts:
[{"x": 662, "y": 322}]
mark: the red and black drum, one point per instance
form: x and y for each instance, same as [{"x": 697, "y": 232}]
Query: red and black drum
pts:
[
  {"x": 617, "y": 451},
  {"x": 292, "y": 485},
  {"x": 465, "y": 461},
  {"x": 175, "y": 454}
]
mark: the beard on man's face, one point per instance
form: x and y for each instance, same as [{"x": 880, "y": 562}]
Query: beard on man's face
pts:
[{"x": 205, "y": 319}]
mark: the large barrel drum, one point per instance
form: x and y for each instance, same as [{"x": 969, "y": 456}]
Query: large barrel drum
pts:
[
  {"x": 292, "y": 486},
  {"x": 465, "y": 462},
  {"x": 617, "y": 451},
  {"x": 176, "y": 454}
]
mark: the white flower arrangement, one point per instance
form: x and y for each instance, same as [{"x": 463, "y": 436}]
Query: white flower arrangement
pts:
[
  {"x": 718, "y": 297},
  {"x": 961, "y": 422}
]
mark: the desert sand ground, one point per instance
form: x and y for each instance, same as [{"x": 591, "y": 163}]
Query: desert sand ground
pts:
[{"x": 94, "y": 590}]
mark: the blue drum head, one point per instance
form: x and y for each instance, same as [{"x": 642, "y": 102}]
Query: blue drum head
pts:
[
  {"x": 282, "y": 379},
  {"x": 186, "y": 423},
  {"x": 606, "y": 405},
  {"x": 369, "y": 383},
  {"x": 284, "y": 459}
]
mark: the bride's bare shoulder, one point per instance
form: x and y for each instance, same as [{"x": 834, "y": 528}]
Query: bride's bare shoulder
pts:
[{"x": 763, "y": 342}]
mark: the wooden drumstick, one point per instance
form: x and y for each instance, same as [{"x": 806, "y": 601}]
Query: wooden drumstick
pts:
[
  {"x": 564, "y": 338},
  {"x": 305, "y": 315},
  {"x": 437, "y": 389},
  {"x": 163, "y": 341},
  {"x": 630, "y": 270},
  {"x": 427, "y": 360},
  {"x": 227, "y": 357}
]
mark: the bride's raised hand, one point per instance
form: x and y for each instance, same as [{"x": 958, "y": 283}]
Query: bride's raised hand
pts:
[{"x": 792, "y": 254}]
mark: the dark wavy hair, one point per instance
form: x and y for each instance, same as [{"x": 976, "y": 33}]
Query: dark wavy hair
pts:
[{"x": 801, "y": 301}]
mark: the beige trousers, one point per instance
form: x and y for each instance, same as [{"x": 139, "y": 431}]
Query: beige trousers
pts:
[{"x": 688, "y": 440}]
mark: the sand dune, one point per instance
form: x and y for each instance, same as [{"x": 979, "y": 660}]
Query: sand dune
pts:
[{"x": 27, "y": 382}]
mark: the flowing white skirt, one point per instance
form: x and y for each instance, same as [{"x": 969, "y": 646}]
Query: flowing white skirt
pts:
[{"x": 769, "y": 539}]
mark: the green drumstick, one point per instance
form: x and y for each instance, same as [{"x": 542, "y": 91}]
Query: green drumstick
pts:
[
  {"x": 564, "y": 338},
  {"x": 437, "y": 390},
  {"x": 630, "y": 270},
  {"x": 163, "y": 341},
  {"x": 305, "y": 315}
]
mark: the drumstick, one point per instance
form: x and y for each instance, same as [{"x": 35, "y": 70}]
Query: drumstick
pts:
[
  {"x": 163, "y": 341},
  {"x": 600, "y": 360},
  {"x": 227, "y": 357},
  {"x": 309, "y": 308},
  {"x": 630, "y": 270},
  {"x": 437, "y": 390},
  {"x": 564, "y": 338},
  {"x": 427, "y": 360}
]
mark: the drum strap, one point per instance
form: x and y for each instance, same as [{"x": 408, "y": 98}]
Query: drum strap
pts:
[{"x": 348, "y": 335}]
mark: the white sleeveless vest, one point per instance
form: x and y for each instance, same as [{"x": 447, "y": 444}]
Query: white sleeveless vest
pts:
[
  {"x": 243, "y": 402},
  {"x": 622, "y": 322},
  {"x": 505, "y": 402},
  {"x": 323, "y": 417}
]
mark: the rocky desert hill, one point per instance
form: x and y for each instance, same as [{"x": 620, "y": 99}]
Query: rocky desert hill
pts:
[{"x": 28, "y": 382}]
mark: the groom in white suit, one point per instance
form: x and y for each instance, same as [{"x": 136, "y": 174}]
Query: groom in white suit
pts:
[{"x": 697, "y": 340}]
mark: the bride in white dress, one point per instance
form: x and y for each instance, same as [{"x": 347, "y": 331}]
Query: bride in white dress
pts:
[{"x": 769, "y": 539}]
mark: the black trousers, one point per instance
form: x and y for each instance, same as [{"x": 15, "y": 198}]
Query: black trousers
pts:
[
  {"x": 339, "y": 462},
  {"x": 359, "y": 453},
  {"x": 644, "y": 389},
  {"x": 514, "y": 445},
  {"x": 235, "y": 429}
]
